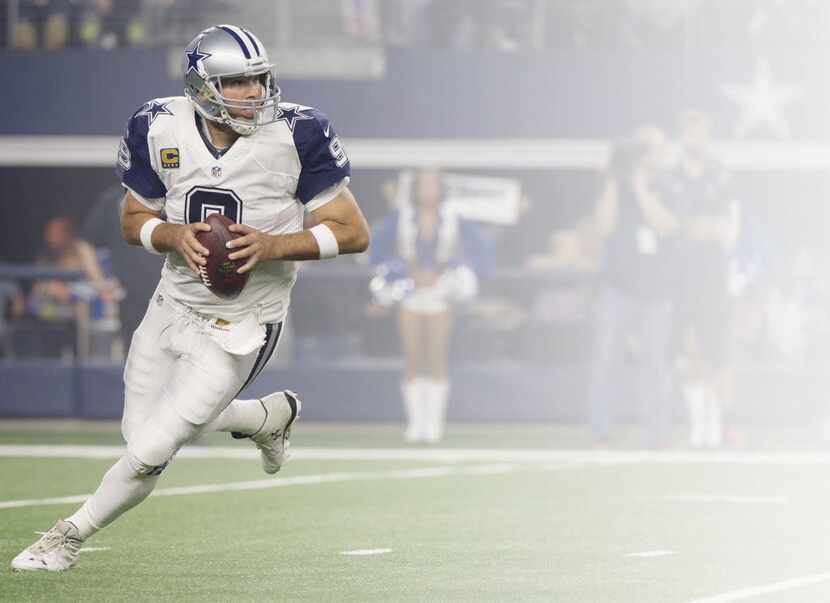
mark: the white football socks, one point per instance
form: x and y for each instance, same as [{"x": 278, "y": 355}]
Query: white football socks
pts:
[
  {"x": 120, "y": 490},
  {"x": 695, "y": 398},
  {"x": 436, "y": 408},
  {"x": 414, "y": 400},
  {"x": 705, "y": 417},
  {"x": 242, "y": 416},
  {"x": 714, "y": 422}
]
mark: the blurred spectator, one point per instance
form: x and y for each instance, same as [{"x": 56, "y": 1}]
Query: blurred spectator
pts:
[
  {"x": 656, "y": 23},
  {"x": 698, "y": 191},
  {"x": 361, "y": 20},
  {"x": 425, "y": 257},
  {"x": 137, "y": 270},
  {"x": 45, "y": 24},
  {"x": 92, "y": 298},
  {"x": 762, "y": 25},
  {"x": 400, "y": 20},
  {"x": 506, "y": 26},
  {"x": 796, "y": 309},
  {"x": 112, "y": 24},
  {"x": 632, "y": 309},
  {"x": 56, "y": 24},
  {"x": 584, "y": 24},
  {"x": 468, "y": 24},
  {"x": 12, "y": 307}
]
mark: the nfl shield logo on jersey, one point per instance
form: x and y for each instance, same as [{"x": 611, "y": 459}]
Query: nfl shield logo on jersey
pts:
[{"x": 216, "y": 171}]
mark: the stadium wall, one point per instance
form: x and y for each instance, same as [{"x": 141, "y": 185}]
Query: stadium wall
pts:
[{"x": 566, "y": 94}]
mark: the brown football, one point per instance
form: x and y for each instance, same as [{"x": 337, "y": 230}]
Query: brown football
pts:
[{"x": 219, "y": 274}]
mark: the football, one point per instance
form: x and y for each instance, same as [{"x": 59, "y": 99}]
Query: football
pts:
[{"x": 219, "y": 274}]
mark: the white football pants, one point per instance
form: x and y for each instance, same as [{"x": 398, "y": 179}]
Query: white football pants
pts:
[{"x": 175, "y": 369}]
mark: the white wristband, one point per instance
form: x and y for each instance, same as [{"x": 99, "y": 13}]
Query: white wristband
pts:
[
  {"x": 326, "y": 241},
  {"x": 146, "y": 234}
]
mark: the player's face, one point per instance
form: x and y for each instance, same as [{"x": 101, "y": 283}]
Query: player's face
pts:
[
  {"x": 243, "y": 89},
  {"x": 428, "y": 189},
  {"x": 695, "y": 137}
]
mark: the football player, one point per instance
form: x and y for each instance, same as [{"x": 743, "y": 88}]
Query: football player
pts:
[{"x": 229, "y": 146}]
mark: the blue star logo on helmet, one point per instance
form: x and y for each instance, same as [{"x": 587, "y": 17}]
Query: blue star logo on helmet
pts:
[
  {"x": 291, "y": 114},
  {"x": 194, "y": 57},
  {"x": 153, "y": 110}
]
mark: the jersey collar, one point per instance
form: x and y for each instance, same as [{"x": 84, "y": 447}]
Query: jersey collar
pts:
[{"x": 215, "y": 151}]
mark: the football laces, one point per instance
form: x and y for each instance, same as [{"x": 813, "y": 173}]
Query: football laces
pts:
[{"x": 203, "y": 273}]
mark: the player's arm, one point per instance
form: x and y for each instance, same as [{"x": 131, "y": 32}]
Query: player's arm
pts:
[
  {"x": 141, "y": 222},
  {"x": 603, "y": 221},
  {"x": 346, "y": 231},
  {"x": 162, "y": 237}
]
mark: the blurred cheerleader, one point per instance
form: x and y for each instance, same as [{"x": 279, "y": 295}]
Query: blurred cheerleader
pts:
[{"x": 424, "y": 256}]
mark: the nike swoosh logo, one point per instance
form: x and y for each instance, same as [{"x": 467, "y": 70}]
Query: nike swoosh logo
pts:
[{"x": 327, "y": 130}]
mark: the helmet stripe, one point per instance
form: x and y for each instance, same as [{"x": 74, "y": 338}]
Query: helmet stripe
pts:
[
  {"x": 253, "y": 41},
  {"x": 239, "y": 40}
]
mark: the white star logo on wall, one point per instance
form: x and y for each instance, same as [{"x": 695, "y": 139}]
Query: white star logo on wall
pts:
[{"x": 761, "y": 103}]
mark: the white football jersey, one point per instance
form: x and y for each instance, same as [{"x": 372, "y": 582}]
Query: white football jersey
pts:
[{"x": 266, "y": 180}]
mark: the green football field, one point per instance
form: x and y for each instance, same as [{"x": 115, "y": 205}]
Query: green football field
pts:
[{"x": 494, "y": 514}]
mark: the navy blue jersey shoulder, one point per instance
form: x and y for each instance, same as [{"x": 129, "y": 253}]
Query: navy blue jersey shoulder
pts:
[
  {"x": 323, "y": 162},
  {"x": 134, "y": 167}
]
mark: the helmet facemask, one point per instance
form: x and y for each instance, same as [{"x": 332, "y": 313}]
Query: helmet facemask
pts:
[{"x": 208, "y": 97}]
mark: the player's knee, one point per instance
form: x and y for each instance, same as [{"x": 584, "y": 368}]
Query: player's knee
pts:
[
  {"x": 153, "y": 444},
  {"x": 145, "y": 469}
]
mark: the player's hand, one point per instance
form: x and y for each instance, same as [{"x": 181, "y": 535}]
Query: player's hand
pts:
[
  {"x": 254, "y": 245},
  {"x": 188, "y": 246}
]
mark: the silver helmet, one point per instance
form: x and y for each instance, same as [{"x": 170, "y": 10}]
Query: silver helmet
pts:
[{"x": 225, "y": 52}]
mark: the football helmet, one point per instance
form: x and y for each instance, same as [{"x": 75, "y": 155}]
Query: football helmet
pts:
[{"x": 224, "y": 52}]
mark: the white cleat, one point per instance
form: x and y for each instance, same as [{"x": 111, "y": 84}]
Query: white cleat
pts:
[
  {"x": 281, "y": 410},
  {"x": 56, "y": 551}
]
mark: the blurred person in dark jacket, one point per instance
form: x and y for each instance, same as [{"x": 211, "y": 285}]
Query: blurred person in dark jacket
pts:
[
  {"x": 632, "y": 308},
  {"x": 698, "y": 189}
]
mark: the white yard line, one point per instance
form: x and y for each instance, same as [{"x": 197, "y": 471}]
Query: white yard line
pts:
[
  {"x": 446, "y": 455},
  {"x": 757, "y": 591},
  {"x": 94, "y": 549},
  {"x": 362, "y": 552},
  {"x": 300, "y": 480},
  {"x": 650, "y": 554},
  {"x": 719, "y": 498}
]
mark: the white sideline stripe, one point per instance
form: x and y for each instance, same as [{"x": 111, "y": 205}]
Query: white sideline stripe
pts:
[
  {"x": 94, "y": 549},
  {"x": 264, "y": 484},
  {"x": 359, "y": 552},
  {"x": 445, "y": 455},
  {"x": 650, "y": 554},
  {"x": 725, "y": 498},
  {"x": 755, "y": 591}
]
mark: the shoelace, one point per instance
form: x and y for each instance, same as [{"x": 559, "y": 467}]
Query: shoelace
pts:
[{"x": 53, "y": 539}]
